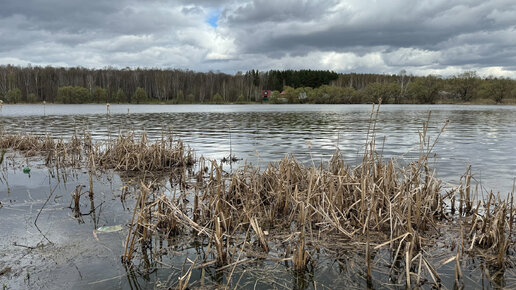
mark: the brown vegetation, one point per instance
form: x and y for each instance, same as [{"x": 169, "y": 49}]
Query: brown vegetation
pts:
[
  {"x": 125, "y": 153},
  {"x": 288, "y": 212}
]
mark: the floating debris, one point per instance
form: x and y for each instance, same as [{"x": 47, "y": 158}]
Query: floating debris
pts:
[
  {"x": 5, "y": 270},
  {"x": 109, "y": 229}
]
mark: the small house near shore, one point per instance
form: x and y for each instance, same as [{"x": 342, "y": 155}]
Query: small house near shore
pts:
[{"x": 266, "y": 94}]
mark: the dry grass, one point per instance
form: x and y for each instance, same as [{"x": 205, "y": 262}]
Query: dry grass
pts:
[
  {"x": 293, "y": 211},
  {"x": 377, "y": 202},
  {"x": 490, "y": 228},
  {"x": 128, "y": 154},
  {"x": 125, "y": 153}
]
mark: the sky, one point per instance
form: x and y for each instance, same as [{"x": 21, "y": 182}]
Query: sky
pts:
[{"x": 440, "y": 37}]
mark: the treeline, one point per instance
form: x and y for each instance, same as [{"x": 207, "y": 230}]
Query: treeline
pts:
[
  {"x": 402, "y": 89},
  {"x": 82, "y": 85},
  {"x": 277, "y": 79}
]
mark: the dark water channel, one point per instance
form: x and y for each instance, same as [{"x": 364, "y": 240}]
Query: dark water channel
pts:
[{"x": 80, "y": 257}]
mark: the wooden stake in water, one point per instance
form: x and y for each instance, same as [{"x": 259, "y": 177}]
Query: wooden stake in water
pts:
[
  {"x": 230, "y": 148},
  {"x": 107, "y": 115}
]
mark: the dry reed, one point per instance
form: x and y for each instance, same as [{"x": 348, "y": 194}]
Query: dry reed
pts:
[
  {"x": 125, "y": 153},
  {"x": 378, "y": 204}
]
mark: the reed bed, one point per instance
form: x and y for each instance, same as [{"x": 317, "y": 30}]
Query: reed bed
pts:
[
  {"x": 289, "y": 212},
  {"x": 127, "y": 152}
]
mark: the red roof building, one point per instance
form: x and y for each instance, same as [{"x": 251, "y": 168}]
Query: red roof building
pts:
[{"x": 266, "y": 94}]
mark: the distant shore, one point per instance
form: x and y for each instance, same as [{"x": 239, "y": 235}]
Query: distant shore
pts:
[{"x": 508, "y": 102}]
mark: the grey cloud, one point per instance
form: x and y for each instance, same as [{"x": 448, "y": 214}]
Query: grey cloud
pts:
[
  {"x": 351, "y": 35},
  {"x": 54, "y": 15},
  {"x": 280, "y": 29},
  {"x": 77, "y": 16},
  {"x": 73, "y": 22},
  {"x": 423, "y": 27},
  {"x": 206, "y": 3},
  {"x": 192, "y": 10},
  {"x": 264, "y": 11}
]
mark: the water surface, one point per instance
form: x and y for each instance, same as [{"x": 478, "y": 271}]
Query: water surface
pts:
[{"x": 481, "y": 136}]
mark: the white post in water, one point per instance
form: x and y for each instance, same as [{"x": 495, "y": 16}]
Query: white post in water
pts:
[
  {"x": 107, "y": 115},
  {"x": 127, "y": 119},
  {"x": 1, "y": 105}
]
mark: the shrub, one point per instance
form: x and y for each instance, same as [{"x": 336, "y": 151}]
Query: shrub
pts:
[
  {"x": 139, "y": 96},
  {"x": 218, "y": 99}
]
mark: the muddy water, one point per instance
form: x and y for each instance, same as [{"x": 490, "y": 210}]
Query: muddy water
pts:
[{"x": 81, "y": 257}]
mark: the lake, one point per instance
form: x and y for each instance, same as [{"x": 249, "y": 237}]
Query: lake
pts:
[
  {"x": 481, "y": 136},
  {"x": 82, "y": 258}
]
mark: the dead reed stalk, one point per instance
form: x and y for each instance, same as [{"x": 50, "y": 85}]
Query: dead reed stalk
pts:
[
  {"x": 379, "y": 203},
  {"x": 125, "y": 153}
]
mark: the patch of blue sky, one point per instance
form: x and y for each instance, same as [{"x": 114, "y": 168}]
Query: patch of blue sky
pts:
[{"x": 213, "y": 17}]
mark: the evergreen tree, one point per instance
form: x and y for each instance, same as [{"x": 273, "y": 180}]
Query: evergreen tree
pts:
[
  {"x": 120, "y": 96},
  {"x": 13, "y": 96},
  {"x": 139, "y": 96},
  {"x": 218, "y": 99}
]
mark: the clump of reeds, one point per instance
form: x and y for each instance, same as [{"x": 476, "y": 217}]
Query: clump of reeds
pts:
[
  {"x": 378, "y": 204},
  {"x": 26, "y": 143},
  {"x": 129, "y": 154},
  {"x": 490, "y": 228},
  {"x": 138, "y": 231},
  {"x": 124, "y": 153},
  {"x": 394, "y": 205}
]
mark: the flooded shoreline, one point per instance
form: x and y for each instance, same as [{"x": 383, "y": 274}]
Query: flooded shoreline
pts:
[
  {"x": 54, "y": 238},
  {"x": 76, "y": 256}
]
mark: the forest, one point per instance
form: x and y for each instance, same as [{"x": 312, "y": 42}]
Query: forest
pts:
[{"x": 76, "y": 85}]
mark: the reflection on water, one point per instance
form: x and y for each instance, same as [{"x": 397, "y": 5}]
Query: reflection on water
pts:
[{"x": 482, "y": 136}]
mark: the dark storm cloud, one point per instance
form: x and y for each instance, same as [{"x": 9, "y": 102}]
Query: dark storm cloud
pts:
[
  {"x": 437, "y": 36},
  {"x": 72, "y": 15},
  {"x": 206, "y": 3},
  {"x": 265, "y": 11},
  {"x": 282, "y": 25}
]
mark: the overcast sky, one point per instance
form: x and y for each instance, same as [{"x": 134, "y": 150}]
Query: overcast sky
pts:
[{"x": 442, "y": 37}]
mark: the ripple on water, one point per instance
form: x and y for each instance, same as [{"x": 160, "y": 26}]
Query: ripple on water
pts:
[{"x": 482, "y": 136}]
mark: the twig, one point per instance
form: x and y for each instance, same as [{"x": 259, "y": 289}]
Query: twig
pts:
[{"x": 37, "y": 216}]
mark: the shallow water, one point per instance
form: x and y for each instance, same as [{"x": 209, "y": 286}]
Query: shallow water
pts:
[{"x": 482, "y": 136}]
